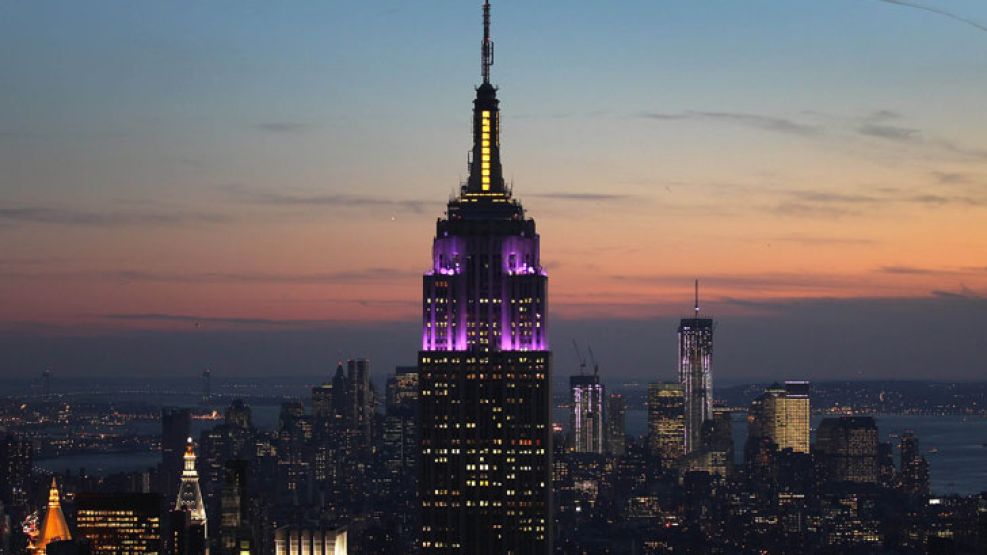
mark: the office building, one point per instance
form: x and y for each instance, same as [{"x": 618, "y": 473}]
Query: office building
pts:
[
  {"x": 695, "y": 361},
  {"x": 781, "y": 414},
  {"x": 666, "y": 421},
  {"x": 848, "y": 448},
  {"x": 616, "y": 414},
  {"x": 119, "y": 523},
  {"x": 484, "y": 378}
]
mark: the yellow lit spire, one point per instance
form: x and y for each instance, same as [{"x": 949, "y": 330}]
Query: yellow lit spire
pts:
[{"x": 54, "y": 527}]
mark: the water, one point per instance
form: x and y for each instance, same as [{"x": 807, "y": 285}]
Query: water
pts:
[{"x": 959, "y": 466}]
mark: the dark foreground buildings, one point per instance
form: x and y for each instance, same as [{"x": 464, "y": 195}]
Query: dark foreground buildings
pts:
[{"x": 484, "y": 365}]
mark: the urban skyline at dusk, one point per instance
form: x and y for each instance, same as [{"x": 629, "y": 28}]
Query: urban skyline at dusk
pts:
[
  {"x": 222, "y": 335},
  {"x": 814, "y": 164}
]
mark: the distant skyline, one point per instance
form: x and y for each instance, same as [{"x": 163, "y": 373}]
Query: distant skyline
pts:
[{"x": 246, "y": 186}]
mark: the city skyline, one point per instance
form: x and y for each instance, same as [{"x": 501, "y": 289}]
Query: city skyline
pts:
[{"x": 850, "y": 184}]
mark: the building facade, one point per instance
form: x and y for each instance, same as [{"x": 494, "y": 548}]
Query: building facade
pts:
[
  {"x": 119, "y": 523},
  {"x": 781, "y": 415},
  {"x": 666, "y": 421}
]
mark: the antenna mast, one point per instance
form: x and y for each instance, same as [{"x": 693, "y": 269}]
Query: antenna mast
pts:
[
  {"x": 697, "y": 298},
  {"x": 487, "y": 50}
]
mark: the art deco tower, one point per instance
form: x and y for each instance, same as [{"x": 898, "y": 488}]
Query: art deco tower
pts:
[
  {"x": 695, "y": 373},
  {"x": 484, "y": 365},
  {"x": 189, "y": 495}
]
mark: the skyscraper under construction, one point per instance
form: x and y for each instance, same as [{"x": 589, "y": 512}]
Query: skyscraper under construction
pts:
[
  {"x": 484, "y": 365},
  {"x": 695, "y": 373}
]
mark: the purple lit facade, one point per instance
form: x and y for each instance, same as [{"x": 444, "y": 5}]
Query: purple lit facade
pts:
[{"x": 484, "y": 367}]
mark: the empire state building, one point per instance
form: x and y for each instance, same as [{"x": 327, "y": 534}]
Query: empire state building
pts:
[{"x": 484, "y": 483}]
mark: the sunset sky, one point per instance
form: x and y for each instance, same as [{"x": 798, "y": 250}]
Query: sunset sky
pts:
[{"x": 174, "y": 174}]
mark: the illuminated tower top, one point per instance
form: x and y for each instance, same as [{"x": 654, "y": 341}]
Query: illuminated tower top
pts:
[
  {"x": 54, "y": 527},
  {"x": 486, "y": 176},
  {"x": 189, "y": 494}
]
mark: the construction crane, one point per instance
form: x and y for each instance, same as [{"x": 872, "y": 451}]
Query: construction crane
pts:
[
  {"x": 579, "y": 357},
  {"x": 592, "y": 358}
]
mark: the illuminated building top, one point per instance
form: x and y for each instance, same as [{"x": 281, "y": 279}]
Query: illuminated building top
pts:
[
  {"x": 189, "y": 494},
  {"x": 486, "y": 290},
  {"x": 54, "y": 528}
]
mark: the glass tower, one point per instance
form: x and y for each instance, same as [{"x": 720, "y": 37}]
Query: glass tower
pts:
[{"x": 695, "y": 367}]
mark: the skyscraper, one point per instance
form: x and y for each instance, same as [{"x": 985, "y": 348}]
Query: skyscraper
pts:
[
  {"x": 190, "y": 496},
  {"x": 695, "y": 366},
  {"x": 848, "y": 447},
  {"x": 176, "y": 426},
  {"x": 586, "y": 418},
  {"x": 666, "y": 421},
  {"x": 616, "y": 434},
  {"x": 781, "y": 414},
  {"x": 485, "y": 482},
  {"x": 16, "y": 461}
]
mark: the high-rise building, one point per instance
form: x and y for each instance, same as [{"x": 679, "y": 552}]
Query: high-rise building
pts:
[
  {"x": 616, "y": 432},
  {"x": 781, "y": 414},
  {"x": 190, "y": 498},
  {"x": 360, "y": 399},
  {"x": 119, "y": 523},
  {"x": 485, "y": 425},
  {"x": 16, "y": 460},
  {"x": 848, "y": 448},
  {"x": 695, "y": 360},
  {"x": 238, "y": 415},
  {"x": 234, "y": 528},
  {"x": 586, "y": 394},
  {"x": 913, "y": 475},
  {"x": 53, "y": 527},
  {"x": 666, "y": 421},
  {"x": 176, "y": 426}
]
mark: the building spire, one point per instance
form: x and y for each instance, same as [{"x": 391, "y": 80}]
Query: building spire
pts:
[
  {"x": 697, "y": 299},
  {"x": 487, "y": 49}
]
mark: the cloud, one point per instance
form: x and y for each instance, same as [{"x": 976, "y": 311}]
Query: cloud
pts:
[
  {"x": 910, "y": 270},
  {"x": 581, "y": 197},
  {"x": 889, "y": 132},
  {"x": 951, "y": 178},
  {"x": 332, "y": 199},
  {"x": 757, "y": 121},
  {"x": 222, "y": 320},
  {"x": 347, "y": 276},
  {"x": 821, "y": 240},
  {"x": 61, "y": 216},
  {"x": 283, "y": 127},
  {"x": 368, "y": 275},
  {"x": 938, "y": 11},
  {"x": 811, "y": 210}
]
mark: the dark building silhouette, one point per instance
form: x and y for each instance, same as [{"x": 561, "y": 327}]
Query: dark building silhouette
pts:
[
  {"x": 616, "y": 438},
  {"x": 913, "y": 469},
  {"x": 16, "y": 459},
  {"x": 848, "y": 448},
  {"x": 485, "y": 483},
  {"x": 176, "y": 427}
]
